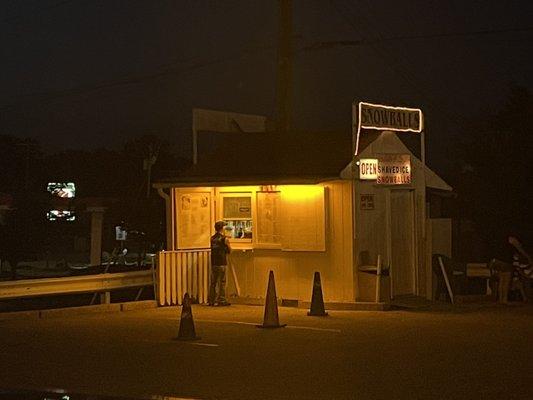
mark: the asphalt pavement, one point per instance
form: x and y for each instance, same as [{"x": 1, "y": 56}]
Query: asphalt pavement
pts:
[{"x": 463, "y": 352}]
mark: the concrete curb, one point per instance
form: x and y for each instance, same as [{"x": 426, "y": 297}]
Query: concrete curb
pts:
[
  {"x": 152, "y": 304},
  {"x": 138, "y": 305},
  {"x": 70, "y": 311},
  {"x": 472, "y": 298},
  {"x": 356, "y": 306},
  {"x": 65, "y": 312},
  {"x": 19, "y": 315},
  {"x": 359, "y": 306},
  {"x": 249, "y": 301}
]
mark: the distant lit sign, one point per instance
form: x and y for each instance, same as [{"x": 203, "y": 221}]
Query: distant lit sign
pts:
[
  {"x": 388, "y": 169},
  {"x": 60, "y": 215},
  {"x": 368, "y": 169},
  {"x": 62, "y": 189},
  {"x": 120, "y": 233},
  {"x": 385, "y": 118}
]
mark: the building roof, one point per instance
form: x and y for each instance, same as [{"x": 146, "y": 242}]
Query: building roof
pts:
[
  {"x": 268, "y": 158},
  {"x": 389, "y": 142},
  {"x": 296, "y": 158}
]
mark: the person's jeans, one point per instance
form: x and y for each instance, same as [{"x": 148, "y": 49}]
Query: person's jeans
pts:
[{"x": 217, "y": 289}]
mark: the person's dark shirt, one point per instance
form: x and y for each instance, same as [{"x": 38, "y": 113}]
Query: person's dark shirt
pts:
[
  {"x": 503, "y": 251},
  {"x": 219, "y": 249}
]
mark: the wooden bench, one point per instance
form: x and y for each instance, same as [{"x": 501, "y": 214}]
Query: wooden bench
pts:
[{"x": 482, "y": 271}]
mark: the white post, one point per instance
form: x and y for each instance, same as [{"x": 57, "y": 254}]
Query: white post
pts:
[
  {"x": 105, "y": 298},
  {"x": 194, "y": 139},
  {"x": 446, "y": 279},
  {"x": 194, "y": 146},
  {"x": 388, "y": 238},
  {"x": 354, "y": 198},
  {"x": 169, "y": 215},
  {"x": 378, "y": 279},
  {"x": 423, "y": 147},
  {"x": 423, "y": 156},
  {"x": 235, "y": 280}
]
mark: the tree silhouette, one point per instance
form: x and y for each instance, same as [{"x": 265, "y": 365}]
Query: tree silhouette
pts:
[{"x": 494, "y": 180}]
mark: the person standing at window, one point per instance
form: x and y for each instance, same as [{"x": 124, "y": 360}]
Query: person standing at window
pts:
[{"x": 220, "y": 248}]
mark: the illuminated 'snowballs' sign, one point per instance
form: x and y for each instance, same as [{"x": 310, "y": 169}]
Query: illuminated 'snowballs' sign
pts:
[
  {"x": 388, "y": 169},
  {"x": 375, "y": 116}
]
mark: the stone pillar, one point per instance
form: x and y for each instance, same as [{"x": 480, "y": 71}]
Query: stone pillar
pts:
[{"x": 97, "y": 219}]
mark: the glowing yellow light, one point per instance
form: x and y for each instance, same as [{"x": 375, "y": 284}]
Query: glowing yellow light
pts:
[
  {"x": 382, "y": 127},
  {"x": 300, "y": 192}
]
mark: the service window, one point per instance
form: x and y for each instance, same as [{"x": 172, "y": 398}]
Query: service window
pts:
[
  {"x": 303, "y": 218},
  {"x": 236, "y": 211},
  {"x": 289, "y": 218}
]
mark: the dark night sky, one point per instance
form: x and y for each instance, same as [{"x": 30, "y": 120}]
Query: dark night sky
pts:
[{"x": 86, "y": 74}]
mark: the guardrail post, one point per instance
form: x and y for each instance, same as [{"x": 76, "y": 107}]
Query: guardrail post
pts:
[{"x": 105, "y": 298}]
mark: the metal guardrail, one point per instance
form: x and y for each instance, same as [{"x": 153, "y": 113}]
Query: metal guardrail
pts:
[{"x": 75, "y": 284}]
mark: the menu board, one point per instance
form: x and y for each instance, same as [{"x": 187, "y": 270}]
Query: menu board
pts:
[
  {"x": 237, "y": 207},
  {"x": 194, "y": 219},
  {"x": 268, "y": 218}
]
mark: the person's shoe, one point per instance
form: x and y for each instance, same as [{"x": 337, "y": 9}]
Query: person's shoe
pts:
[{"x": 224, "y": 304}]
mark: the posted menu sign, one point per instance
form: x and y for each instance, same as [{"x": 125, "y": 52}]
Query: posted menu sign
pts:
[{"x": 387, "y": 169}]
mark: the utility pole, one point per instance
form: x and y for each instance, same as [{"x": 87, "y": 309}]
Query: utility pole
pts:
[
  {"x": 148, "y": 162},
  {"x": 284, "y": 84},
  {"x": 27, "y": 148}
]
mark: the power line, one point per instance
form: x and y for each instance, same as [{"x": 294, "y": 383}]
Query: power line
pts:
[
  {"x": 170, "y": 68},
  {"x": 453, "y": 116},
  {"x": 365, "y": 42},
  {"x": 459, "y": 34},
  {"x": 131, "y": 80},
  {"x": 386, "y": 58}
]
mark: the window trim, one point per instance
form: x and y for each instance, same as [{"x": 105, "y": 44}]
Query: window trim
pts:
[{"x": 248, "y": 243}]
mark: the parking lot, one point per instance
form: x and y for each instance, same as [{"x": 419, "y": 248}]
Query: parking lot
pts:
[{"x": 469, "y": 352}]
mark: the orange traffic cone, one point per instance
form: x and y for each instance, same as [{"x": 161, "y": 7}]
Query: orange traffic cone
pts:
[
  {"x": 317, "y": 301},
  {"x": 187, "y": 331},
  {"x": 271, "y": 319}
]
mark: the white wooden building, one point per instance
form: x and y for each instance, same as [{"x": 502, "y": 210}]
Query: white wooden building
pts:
[{"x": 304, "y": 219}]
